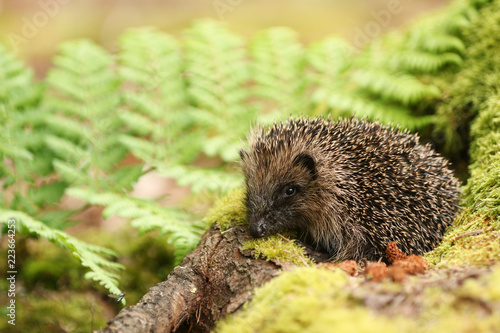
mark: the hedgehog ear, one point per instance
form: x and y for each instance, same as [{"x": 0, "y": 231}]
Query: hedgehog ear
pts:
[{"x": 308, "y": 162}]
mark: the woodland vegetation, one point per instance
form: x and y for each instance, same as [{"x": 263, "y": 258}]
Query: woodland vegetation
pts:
[{"x": 100, "y": 121}]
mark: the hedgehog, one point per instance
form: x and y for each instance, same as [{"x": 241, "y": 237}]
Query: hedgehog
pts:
[{"x": 348, "y": 187}]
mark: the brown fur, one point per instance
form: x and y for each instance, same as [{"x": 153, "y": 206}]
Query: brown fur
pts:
[{"x": 358, "y": 186}]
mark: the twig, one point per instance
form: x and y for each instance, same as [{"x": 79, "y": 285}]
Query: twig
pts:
[
  {"x": 288, "y": 240},
  {"x": 470, "y": 233},
  {"x": 298, "y": 255}
]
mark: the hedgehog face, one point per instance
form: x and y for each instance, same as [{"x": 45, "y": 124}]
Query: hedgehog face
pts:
[{"x": 277, "y": 203}]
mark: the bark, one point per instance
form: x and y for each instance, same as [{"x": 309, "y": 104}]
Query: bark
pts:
[{"x": 215, "y": 279}]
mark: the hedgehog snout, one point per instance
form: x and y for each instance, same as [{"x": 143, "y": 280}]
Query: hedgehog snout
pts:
[{"x": 258, "y": 229}]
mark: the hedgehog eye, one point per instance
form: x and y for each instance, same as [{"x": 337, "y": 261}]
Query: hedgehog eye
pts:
[{"x": 290, "y": 191}]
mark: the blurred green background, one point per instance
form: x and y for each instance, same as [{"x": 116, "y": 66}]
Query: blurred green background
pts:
[{"x": 103, "y": 21}]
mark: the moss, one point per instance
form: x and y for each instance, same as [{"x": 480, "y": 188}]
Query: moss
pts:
[
  {"x": 307, "y": 300},
  {"x": 462, "y": 246},
  {"x": 468, "y": 90},
  {"x": 476, "y": 89},
  {"x": 485, "y": 289},
  {"x": 275, "y": 247},
  {"x": 483, "y": 188},
  {"x": 228, "y": 210},
  {"x": 54, "y": 295},
  {"x": 317, "y": 300},
  {"x": 472, "y": 307},
  {"x": 481, "y": 198},
  {"x": 488, "y": 120},
  {"x": 58, "y": 312}
]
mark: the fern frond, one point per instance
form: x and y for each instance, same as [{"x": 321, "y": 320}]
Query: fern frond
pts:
[
  {"x": 83, "y": 96},
  {"x": 343, "y": 103},
  {"x": 96, "y": 83},
  {"x": 151, "y": 62},
  {"x": 147, "y": 216},
  {"x": 47, "y": 195},
  {"x": 155, "y": 98},
  {"x": 202, "y": 179},
  {"x": 70, "y": 174},
  {"x": 65, "y": 149},
  {"x": 91, "y": 256},
  {"x": 431, "y": 42},
  {"x": 423, "y": 62},
  {"x": 459, "y": 15},
  {"x": 68, "y": 128},
  {"x": 216, "y": 67},
  {"x": 137, "y": 123},
  {"x": 16, "y": 152},
  {"x": 124, "y": 179},
  {"x": 278, "y": 62},
  {"x": 405, "y": 89},
  {"x": 327, "y": 59},
  {"x": 217, "y": 77},
  {"x": 19, "y": 92},
  {"x": 19, "y": 95},
  {"x": 82, "y": 84},
  {"x": 141, "y": 148}
]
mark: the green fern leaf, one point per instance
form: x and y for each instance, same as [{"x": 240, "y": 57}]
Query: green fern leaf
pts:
[
  {"x": 346, "y": 104},
  {"x": 89, "y": 255},
  {"x": 125, "y": 178},
  {"x": 202, "y": 179},
  {"x": 423, "y": 62},
  {"x": 65, "y": 149},
  {"x": 48, "y": 194},
  {"x": 217, "y": 79},
  {"x": 70, "y": 174},
  {"x": 435, "y": 43},
  {"x": 278, "y": 62},
  {"x": 16, "y": 152},
  {"x": 67, "y": 127},
  {"x": 328, "y": 59},
  {"x": 405, "y": 89},
  {"x": 147, "y": 216}
]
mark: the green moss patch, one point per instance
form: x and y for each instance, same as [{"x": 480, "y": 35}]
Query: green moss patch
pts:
[
  {"x": 228, "y": 210},
  {"x": 475, "y": 237},
  {"x": 317, "y": 300},
  {"x": 59, "y": 312},
  {"x": 474, "y": 240},
  {"x": 276, "y": 248},
  {"x": 306, "y": 300}
]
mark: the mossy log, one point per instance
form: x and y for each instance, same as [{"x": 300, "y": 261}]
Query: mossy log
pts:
[{"x": 215, "y": 279}]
